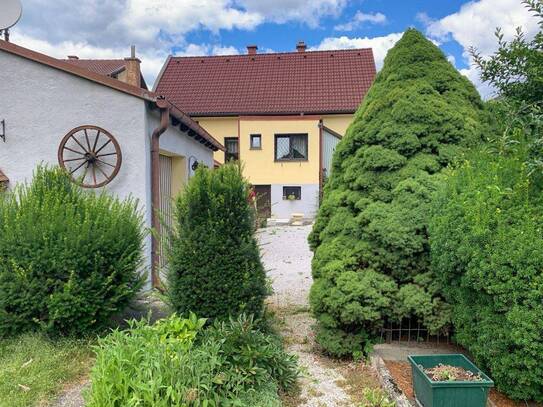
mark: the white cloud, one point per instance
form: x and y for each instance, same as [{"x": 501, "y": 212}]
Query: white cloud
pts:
[
  {"x": 305, "y": 11},
  {"x": 474, "y": 25},
  {"x": 380, "y": 45},
  {"x": 360, "y": 19}
]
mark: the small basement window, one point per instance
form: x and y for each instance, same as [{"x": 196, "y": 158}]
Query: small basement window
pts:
[
  {"x": 256, "y": 141},
  {"x": 292, "y": 193}
]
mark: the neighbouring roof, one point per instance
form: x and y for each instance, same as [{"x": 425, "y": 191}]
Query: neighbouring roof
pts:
[
  {"x": 3, "y": 177},
  {"x": 315, "y": 82},
  {"x": 108, "y": 67},
  {"x": 152, "y": 97}
]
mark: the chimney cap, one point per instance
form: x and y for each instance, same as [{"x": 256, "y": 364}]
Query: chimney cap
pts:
[
  {"x": 251, "y": 49},
  {"x": 300, "y": 46},
  {"x": 73, "y": 57}
]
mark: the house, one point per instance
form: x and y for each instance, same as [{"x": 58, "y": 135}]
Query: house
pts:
[
  {"x": 281, "y": 114},
  {"x": 126, "y": 70},
  {"x": 107, "y": 133}
]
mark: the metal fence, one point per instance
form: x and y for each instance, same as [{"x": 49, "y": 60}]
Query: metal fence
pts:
[{"x": 411, "y": 330}]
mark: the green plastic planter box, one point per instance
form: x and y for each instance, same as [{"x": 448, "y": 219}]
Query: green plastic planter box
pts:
[{"x": 430, "y": 393}]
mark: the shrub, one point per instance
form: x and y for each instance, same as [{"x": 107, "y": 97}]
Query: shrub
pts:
[
  {"x": 486, "y": 238},
  {"x": 69, "y": 259},
  {"x": 371, "y": 261},
  {"x": 215, "y": 268},
  {"x": 177, "y": 362}
]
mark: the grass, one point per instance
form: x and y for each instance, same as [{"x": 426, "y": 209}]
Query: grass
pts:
[{"x": 35, "y": 369}]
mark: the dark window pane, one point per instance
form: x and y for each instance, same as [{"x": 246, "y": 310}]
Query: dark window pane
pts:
[
  {"x": 232, "y": 151},
  {"x": 292, "y": 193}
]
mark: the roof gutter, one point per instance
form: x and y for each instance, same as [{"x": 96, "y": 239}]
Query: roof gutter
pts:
[{"x": 155, "y": 189}]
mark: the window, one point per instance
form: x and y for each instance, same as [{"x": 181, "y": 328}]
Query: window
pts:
[
  {"x": 256, "y": 141},
  {"x": 292, "y": 193},
  {"x": 232, "y": 150},
  {"x": 290, "y": 147}
]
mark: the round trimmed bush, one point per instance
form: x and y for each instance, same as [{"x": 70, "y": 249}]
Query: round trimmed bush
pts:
[
  {"x": 69, "y": 259},
  {"x": 215, "y": 268},
  {"x": 371, "y": 262}
]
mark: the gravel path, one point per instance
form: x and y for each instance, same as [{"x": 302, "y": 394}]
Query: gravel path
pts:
[{"x": 287, "y": 258}]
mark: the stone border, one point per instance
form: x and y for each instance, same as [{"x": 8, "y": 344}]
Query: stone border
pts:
[{"x": 387, "y": 382}]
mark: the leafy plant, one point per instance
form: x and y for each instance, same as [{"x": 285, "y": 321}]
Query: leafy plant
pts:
[
  {"x": 487, "y": 252},
  {"x": 376, "y": 398},
  {"x": 227, "y": 364},
  {"x": 371, "y": 262},
  {"x": 69, "y": 259},
  {"x": 215, "y": 268}
]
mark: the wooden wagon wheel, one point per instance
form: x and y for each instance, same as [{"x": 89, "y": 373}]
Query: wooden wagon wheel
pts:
[{"x": 91, "y": 155}]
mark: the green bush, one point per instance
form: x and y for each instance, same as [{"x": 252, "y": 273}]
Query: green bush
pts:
[
  {"x": 69, "y": 259},
  {"x": 486, "y": 238},
  {"x": 177, "y": 362},
  {"x": 215, "y": 268},
  {"x": 371, "y": 262}
]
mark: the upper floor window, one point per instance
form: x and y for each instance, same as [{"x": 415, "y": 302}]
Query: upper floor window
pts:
[
  {"x": 290, "y": 147},
  {"x": 231, "y": 145},
  {"x": 256, "y": 141}
]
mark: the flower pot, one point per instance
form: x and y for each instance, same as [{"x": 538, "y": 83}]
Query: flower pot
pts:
[{"x": 430, "y": 393}]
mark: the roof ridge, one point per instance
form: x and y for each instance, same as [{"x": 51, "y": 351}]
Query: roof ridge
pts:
[{"x": 348, "y": 50}]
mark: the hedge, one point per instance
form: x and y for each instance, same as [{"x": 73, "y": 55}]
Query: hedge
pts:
[
  {"x": 215, "y": 268},
  {"x": 69, "y": 259}
]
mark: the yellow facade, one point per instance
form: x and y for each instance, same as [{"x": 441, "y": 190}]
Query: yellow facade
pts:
[
  {"x": 338, "y": 122},
  {"x": 259, "y": 165},
  {"x": 220, "y": 128}
]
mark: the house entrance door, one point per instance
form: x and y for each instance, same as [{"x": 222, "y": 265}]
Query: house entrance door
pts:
[{"x": 263, "y": 201}]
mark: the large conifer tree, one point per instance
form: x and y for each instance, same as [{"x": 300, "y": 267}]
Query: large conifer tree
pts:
[{"x": 371, "y": 262}]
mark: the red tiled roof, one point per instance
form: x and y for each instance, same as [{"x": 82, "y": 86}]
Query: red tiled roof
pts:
[
  {"x": 3, "y": 177},
  {"x": 108, "y": 67},
  {"x": 100, "y": 66},
  {"x": 281, "y": 83}
]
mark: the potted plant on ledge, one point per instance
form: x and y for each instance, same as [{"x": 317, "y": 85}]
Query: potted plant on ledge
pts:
[{"x": 448, "y": 381}]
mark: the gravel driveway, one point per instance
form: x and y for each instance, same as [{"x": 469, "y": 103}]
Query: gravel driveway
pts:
[
  {"x": 287, "y": 258},
  {"x": 325, "y": 382}
]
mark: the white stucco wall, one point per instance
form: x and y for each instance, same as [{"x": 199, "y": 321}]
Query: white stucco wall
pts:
[
  {"x": 284, "y": 208},
  {"x": 40, "y": 105}
]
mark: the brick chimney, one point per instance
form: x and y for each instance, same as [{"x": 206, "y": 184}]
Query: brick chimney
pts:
[
  {"x": 73, "y": 57},
  {"x": 251, "y": 49},
  {"x": 133, "y": 71},
  {"x": 300, "y": 46}
]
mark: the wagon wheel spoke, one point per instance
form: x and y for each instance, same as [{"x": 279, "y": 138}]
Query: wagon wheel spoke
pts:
[
  {"x": 103, "y": 162},
  {"x": 94, "y": 174},
  {"x": 73, "y": 151},
  {"x": 103, "y": 173},
  {"x": 75, "y": 159},
  {"x": 80, "y": 145},
  {"x": 105, "y": 155},
  {"x": 78, "y": 167},
  {"x": 96, "y": 140},
  {"x": 87, "y": 139},
  {"x": 101, "y": 148}
]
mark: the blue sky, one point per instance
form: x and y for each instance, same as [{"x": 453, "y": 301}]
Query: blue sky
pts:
[{"x": 158, "y": 28}]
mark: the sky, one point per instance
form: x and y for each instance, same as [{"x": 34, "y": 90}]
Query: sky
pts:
[{"x": 106, "y": 28}]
